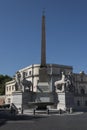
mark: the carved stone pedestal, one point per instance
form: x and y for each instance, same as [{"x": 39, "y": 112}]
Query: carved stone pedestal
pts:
[
  {"x": 20, "y": 99},
  {"x": 65, "y": 101}
]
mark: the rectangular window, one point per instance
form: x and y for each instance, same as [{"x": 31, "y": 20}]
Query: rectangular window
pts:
[
  {"x": 26, "y": 74},
  {"x": 9, "y": 88},
  {"x": 76, "y": 91},
  {"x": 29, "y": 72},
  {"x": 13, "y": 87},
  {"x": 85, "y": 103},
  {"x": 78, "y": 103},
  {"x": 9, "y": 100}
]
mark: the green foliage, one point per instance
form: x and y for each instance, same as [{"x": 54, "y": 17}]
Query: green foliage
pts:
[{"x": 3, "y": 80}]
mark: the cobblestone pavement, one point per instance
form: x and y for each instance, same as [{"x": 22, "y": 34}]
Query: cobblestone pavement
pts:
[{"x": 75, "y": 121}]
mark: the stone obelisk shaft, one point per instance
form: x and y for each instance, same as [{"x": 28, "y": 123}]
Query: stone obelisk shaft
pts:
[
  {"x": 43, "y": 66},
  {"x": 43, "y": 44}
]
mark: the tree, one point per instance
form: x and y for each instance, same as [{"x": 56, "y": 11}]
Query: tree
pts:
[{"x": 3, "y": 80}]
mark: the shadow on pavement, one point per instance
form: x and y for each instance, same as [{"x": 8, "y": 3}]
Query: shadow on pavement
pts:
[
  {"x": 2, "y": 122},
  {"x": 4, "y": 118}
]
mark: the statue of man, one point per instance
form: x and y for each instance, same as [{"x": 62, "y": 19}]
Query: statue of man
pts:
[
  {"x": 69, "y": 83},
  {"x": 18, "y": 81}
]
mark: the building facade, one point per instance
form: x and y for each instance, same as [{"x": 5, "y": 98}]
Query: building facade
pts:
[
  {"x": 80, "y": 93},
  {"x": 54, "y": 74},
  {"x": 32, "y": 74}
]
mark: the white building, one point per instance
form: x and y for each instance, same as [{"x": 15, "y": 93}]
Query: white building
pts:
[
  {"x": 32, "y": 74},
  {"x": 80, "y": 93},
  {"x": 9, "y": 88},
  {"x": 54, "y": 74}
]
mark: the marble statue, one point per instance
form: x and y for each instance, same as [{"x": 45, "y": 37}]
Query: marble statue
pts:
[
  {"x": 65, "y": 84},
  {"x": 26, "y": 83},
  {"x": 18, "y": 85},
  {"x": 21, "y": 81}
]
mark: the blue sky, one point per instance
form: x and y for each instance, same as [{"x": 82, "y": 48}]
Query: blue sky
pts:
[{"x": 20, "y": 33}]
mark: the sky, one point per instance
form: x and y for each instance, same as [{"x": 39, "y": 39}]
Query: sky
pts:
[{"x": 20, "y": 33}]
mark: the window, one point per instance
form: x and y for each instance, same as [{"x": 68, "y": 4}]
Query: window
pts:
[
  {"x": 78, "y": 103},
  {"x": 9, "y": 100},
  {"x": 26, "y": 74},
  {"x": 29, "y": 72},
  {"x": 13, "y": 87},
  {"x": 82, "y": 91},
  {"x": 9, "y": 88},
  {"x": 86, "y": 103},
  {"x": 81, "y": 79},
  {"x": 76, "y": 91}
]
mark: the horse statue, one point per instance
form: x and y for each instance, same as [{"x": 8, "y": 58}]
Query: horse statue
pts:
[
  {"x": 22, "y": 82},
  {"x": 27, "y": 84},
  {"x": 65, "y": 84}
]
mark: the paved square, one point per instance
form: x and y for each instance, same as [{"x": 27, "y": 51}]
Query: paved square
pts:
[{"x": 45, "y": 122}]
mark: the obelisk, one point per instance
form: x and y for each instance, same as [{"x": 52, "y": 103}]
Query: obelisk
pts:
[
  {"x": 43, "y": 43},
  {"x": 43, "y": 87},
  {"x": 43, "y": 67}
]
